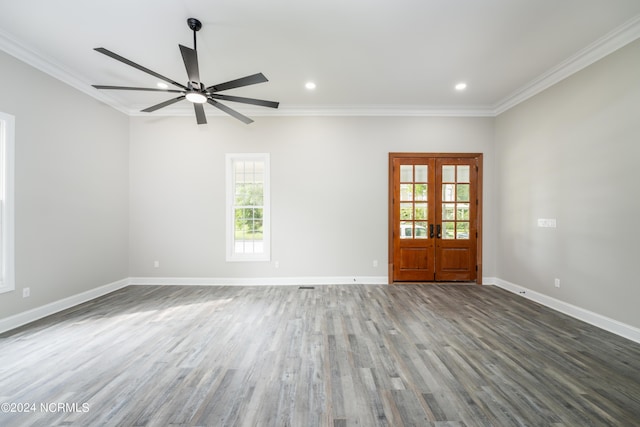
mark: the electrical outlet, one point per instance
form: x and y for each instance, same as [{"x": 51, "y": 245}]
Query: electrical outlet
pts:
[
  {"x": 156, "y": 264},
  {"x": 557, "y": 283},
  {"x": 276, "y": 264},
  {"x": 26, "y": 292},
  {"x": 375, "y": 262}
]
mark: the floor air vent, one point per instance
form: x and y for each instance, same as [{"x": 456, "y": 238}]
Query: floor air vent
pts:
[{"x": 307, "y": 287}]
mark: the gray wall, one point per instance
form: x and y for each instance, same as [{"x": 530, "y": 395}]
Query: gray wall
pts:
[
  {"x": 329, "y": 190},
  {"x": 71, "y": 226},
  {"x": 572, "y": 153}
]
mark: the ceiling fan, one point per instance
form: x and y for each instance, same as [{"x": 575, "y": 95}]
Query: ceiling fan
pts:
[{"x": 195, "y": 91}]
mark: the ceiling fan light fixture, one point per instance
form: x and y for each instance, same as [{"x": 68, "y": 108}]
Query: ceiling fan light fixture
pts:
[
  {"x": 196, "y": 97},
  {"x": 194, "y": 91}
]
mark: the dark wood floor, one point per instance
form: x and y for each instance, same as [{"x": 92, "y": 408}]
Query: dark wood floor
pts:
[{"x": 421, "y": 355}]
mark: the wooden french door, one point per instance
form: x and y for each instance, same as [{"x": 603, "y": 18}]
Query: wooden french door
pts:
[{"x": 435, "y": 217}]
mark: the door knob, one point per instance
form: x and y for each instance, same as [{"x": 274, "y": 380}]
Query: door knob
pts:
[
  {"x": 431, "y": 231},
  {"x": 439, "y": 229}
]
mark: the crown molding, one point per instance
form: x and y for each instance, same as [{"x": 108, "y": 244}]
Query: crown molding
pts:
[
  {"x": 612, "y": 41},
  {"x": 329, "y": 111},
  {"x": 49, "y": 66}
]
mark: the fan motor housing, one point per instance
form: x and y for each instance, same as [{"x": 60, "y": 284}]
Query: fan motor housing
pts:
[{"x": 194, "y": 24}]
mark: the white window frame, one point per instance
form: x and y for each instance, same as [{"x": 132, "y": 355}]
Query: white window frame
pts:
[
  {"x": 232, "y": 255},
  {"x": 7, "y": 158}
]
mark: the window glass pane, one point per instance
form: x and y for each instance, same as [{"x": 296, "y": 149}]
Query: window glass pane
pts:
[
  {"x": 421, "y": 230},
  {"x": 448, "y": 192},
  {"x": 406, "y": 192},
  {"x": 421, "y": 173},
  {"x": 406, "y": 173},
  {"x": 463, "y": 173},
  {"x": 448, "y": 231},
  {"x": 448, "y": 174},
  {"x": 406, "y": 210},
  {"x": 421, "y": 211},
  {"x": 420, "y": 192},
  {"x": 463, "y": 193},
  {"x": 239, "y": 172},
  {"x": 258, "y": 172},
  {"x": 462, "y": 213},
  {"x": 462, "y": 230},
  {"x": 448, "y": 211},
  {"x": 406, "y": 229}
]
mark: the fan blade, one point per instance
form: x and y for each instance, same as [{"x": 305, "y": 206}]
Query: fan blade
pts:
[
  {"x": 163, "y": 104},
  {"x": 149, "y": 89},
  {"x": 139, "y": 67},
  {"x": 260, "y": 102},
  {"x": 200, "y": 117},
  {"x": 190, "y": 58},
  {"x": 230, "y": 111},
  {"x": 243, "y": 81}
]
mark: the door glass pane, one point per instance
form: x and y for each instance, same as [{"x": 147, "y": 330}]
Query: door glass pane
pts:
[
  {"x": 406, "y": 229},
  {"x": 448, "y": 231},
  {"x": 406, "y": 192},
  {"x": 406, "y": 173},
  {"x": 406, "y": 210},
  {"x": 421, "y": 230},
  {"x": 448, "y": 174},
  {"x": 421, "y": 173},
  {"x": 448, "y": 211},
  {"x": 421, "y": 211},
  {"x": 463, "y": 193},
  {"x": 462, "y": 230},
  {"x": 463, "y": 173},
  {"x": 462, "y": 213},
  {"x": 449, "y": 192},
  {"x": 420, "y": 192}
]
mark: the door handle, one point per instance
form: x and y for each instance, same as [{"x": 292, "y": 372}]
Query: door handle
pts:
[
  {"x": 439, "y": 230},
  {"x": 431, "y": 231}
]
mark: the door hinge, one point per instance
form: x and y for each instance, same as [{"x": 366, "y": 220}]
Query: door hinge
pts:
[
  {"x": 476, "y": 237},
  {"x": 476, "y": 268}
]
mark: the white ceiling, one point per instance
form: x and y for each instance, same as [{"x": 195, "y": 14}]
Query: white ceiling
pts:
[{"x": 366, "y": 56}]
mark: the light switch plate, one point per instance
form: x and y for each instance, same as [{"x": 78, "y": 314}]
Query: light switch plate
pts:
[{"x": 547, "y": 222}]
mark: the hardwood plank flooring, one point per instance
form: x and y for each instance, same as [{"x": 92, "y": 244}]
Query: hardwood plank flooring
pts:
[{"x": 336, "y": 356}]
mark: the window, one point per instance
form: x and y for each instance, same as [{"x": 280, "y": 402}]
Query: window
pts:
[
  {"x": 7, "y": 144},
  {"x": 248, "y": 225}
]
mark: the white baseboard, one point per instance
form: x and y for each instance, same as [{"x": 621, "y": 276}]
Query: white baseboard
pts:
[
  {"x": 595, "y": 319},
  {"x": 37, "y": 313},
  {"x": 263, "y": 281}
]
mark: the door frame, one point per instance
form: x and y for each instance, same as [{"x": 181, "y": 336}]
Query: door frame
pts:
[{"x": 478, "y": 158}]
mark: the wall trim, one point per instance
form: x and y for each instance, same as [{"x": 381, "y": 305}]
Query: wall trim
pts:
[
  {"x": 609, "y": 43},
  {"x": 622, "y": 329},
  {"x": 38, "y": 313},
  {"x": 259, "y": 281}
]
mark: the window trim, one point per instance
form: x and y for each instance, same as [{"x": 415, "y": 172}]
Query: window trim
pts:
[
  {"x": 232, "y": 256},
  {"x": 7, "y": 223}
]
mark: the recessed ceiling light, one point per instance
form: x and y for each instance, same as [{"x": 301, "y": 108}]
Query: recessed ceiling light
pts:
[
  {"x": 310, "y": 85},
  {"x": 162, "y": 85},
  {"x": 461, "y": 86}
]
